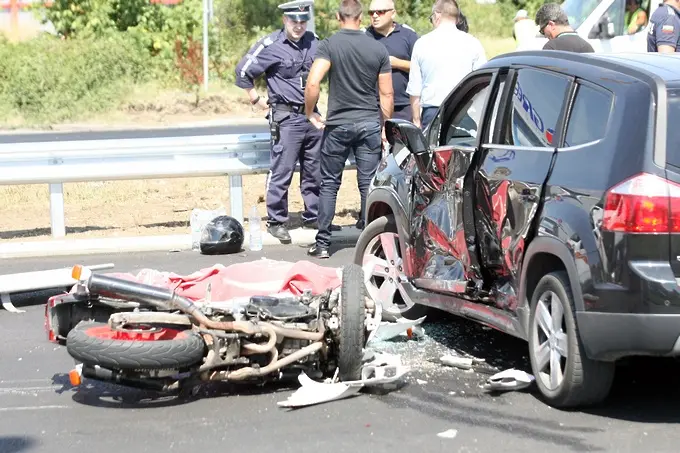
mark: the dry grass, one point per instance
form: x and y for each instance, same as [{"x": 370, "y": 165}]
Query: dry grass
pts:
[{"x": 151, "y": 207}]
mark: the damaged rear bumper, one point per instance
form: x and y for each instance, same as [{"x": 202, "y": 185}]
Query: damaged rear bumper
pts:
[{"x": 611, "y": 336}]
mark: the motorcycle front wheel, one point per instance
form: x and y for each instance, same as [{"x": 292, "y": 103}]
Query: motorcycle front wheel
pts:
[{"x": 145, "y": 348}]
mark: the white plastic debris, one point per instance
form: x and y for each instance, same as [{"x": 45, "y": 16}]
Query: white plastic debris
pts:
[
  {"x": 389, "y": 330},
  {"x": 448, "y": 434},
  {"x": 463, "y": 363},
  {"x": 382, "y": 369},
  {"x": 509, "y": 380}
]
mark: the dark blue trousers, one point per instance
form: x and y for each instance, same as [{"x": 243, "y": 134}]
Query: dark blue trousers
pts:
[
  {"x": 300, "y": 142},
  {"x": 427, "y": 115},
  {"x": 364, "y": 139}
]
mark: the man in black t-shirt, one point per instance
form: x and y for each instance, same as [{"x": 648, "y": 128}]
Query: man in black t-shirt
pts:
[
  {"x": 554, "y": 24},
  {"x": 360, "y": 77}
]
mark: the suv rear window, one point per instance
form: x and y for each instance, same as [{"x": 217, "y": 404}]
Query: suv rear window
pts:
[
  {"x": 589, "y": 116},
  {"x": 672, "y": 129}
]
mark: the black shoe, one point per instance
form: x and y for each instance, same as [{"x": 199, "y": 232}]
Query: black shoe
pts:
[
  {"x": 315, "y": 226},
  {"x": 318, "y": 252},
  {"x": 280, "y": 232},
  {"x": 360, "y": 225}
]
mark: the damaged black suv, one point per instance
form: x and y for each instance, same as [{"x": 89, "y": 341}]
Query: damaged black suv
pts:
[{"x": 544, "y": 201}]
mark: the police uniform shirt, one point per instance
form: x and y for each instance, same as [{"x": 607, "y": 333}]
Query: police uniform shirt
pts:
[
  {"x": 283, "y": 62},
  {"x": 399, "y": 44},
  {"x": 664, "y": 28}
]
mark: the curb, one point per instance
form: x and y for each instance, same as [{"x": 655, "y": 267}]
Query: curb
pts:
[{"x": 168, "y": 243}]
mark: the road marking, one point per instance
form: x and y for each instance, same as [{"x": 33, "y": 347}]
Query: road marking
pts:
[{"x": 31, "y": 408}]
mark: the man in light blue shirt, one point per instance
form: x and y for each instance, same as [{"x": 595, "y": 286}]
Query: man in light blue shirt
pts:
[{"x": 440, "y": 60}]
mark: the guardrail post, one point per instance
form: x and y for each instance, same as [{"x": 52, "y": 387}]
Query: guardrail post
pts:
[
  {"x": 236, "y": 197},
  {"x": 57, "y": 210}
]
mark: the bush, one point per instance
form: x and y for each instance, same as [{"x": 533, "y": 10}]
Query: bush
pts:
[{"x": 49, "y": 79}]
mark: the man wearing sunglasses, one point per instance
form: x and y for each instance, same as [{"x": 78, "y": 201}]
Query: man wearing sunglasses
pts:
[
  {"x": 553, "y": 23},
  {"x": 399, "y": 40}
]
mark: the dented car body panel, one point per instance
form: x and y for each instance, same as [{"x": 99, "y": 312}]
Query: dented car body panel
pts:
[{"x": 512, "y": 186}]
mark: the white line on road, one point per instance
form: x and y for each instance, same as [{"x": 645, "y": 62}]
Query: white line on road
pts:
[{"x": 31, "y": 408}]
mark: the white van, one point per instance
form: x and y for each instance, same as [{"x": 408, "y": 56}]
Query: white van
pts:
[{"x": 601, "y": 23}]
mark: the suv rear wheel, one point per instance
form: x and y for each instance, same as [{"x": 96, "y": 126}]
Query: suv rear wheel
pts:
[
  {"x": 379, "y": 254},
  {"x": 565, "y": 376}
]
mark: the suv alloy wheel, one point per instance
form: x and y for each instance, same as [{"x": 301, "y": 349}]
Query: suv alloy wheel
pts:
[
  {"x": 565, "y": 376},
  {"x": 378, "y": 253}
]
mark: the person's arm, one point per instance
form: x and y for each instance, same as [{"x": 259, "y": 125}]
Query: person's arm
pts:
[
  {"x": 415, "y": 110},
  {"x": 385, "y": 87},
  {"x": 319, "y": 69},
  {"x": 415, "y": 85},
  {"x": 667, "y": 34},
  {"x": 253, "y": 65},
  {"x": 398, "y": 63}
]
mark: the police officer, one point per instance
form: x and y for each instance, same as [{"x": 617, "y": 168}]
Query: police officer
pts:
[
  {"x": 284, "y": 58},
  {"x": 664, "y": 30}
]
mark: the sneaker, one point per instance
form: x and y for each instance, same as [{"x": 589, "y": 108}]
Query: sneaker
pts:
[{"x": 318, "y": 252}]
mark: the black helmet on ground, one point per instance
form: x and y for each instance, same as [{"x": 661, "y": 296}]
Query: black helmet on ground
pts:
[{"x": 222, "y": 235}]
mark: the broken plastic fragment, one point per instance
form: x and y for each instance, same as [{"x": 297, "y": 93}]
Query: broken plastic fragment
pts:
[
  {"x": 455, "y": 361},
  {"x": 382, "y": 369},
  {"x": 509, "y": 380},
  {"x": 389, "y": 330},
  {"x": 448, "y": 434}
]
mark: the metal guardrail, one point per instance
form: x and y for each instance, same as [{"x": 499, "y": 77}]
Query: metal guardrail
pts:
[{"x": 60, "y": 158}]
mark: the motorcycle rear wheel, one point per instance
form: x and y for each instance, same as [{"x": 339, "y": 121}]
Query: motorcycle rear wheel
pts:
[
  {"x": 163, "y": 348},
  {"x": 352, "y": 332}
]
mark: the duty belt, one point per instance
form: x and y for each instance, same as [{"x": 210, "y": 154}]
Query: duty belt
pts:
[{"x": 289, "y": 108}]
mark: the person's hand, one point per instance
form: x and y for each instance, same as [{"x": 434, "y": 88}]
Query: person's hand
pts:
[
  {"x": 384, "y": 136},
  {"x": 262, "y": 103},
  {"x": 317, "y": 121},
  {"x": 392, "y": 60},
  {"x": 416, "y": 123}
]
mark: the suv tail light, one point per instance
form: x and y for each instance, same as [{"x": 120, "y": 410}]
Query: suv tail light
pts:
[{"x": 643, "y": 204}]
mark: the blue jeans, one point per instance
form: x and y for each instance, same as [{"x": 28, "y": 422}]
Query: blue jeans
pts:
[
  {"x": 364, "y": 139},
  {"x": 427, "y": 115}
]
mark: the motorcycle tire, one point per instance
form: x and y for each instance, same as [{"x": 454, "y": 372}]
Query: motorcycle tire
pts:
[
  {"x": 94, "y": 343},
  {"x": 352, "y": 332}
]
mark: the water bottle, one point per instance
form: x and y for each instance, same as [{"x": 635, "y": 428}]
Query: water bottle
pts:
[{"x": 255, "y": 230}]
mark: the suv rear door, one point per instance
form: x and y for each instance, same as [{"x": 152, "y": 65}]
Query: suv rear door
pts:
[{"x": 512, "y": 174}]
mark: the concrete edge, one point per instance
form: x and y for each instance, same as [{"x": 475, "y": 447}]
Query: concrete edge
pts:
[{"x": 166, "y": 243}]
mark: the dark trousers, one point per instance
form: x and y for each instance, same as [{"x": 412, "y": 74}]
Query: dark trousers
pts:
[
  {"x": 427, "y": 116},
  {"x": 299, "y": 141},
  {"x": 403, "y": 112},
  {"x": 364, "y": 139}
]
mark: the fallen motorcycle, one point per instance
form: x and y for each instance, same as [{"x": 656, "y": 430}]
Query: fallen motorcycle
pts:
[{"x": 148, "y": 337}]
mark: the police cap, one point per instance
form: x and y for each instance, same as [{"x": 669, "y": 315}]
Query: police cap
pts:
[{"x": 299, "y": 10}]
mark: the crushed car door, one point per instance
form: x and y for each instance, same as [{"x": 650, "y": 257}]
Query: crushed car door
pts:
[
  {"x": 439, "y": 255},
  {"x": 513, "y": 168}
]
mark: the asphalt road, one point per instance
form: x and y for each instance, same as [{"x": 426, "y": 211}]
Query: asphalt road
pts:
[{"x": 39, "y": 411}]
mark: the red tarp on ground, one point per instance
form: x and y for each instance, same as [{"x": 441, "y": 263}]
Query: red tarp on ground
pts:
[{"x": 262, "y": 277}]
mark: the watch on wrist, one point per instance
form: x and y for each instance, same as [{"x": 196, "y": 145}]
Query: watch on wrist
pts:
[{"x": 255, "y": 101}]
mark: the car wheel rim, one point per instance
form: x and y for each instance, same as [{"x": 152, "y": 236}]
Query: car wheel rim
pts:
[
  {"x": 384, "y": 273},
  {"x": 550, "y": 342}
]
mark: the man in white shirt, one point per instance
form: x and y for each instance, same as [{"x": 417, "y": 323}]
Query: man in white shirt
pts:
[{"x": 440, "y": 60}]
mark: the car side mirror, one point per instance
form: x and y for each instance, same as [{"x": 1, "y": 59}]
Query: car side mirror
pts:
[
  {"x": 404, "y": 134},
  {"x": 603, "y": 29}
]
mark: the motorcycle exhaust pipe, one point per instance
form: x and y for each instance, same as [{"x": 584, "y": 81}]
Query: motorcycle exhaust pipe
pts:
[{"x": 98, "y": 373}]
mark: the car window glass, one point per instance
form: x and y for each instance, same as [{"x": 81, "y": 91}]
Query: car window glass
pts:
[
  {"x": 536, "y": 105},
  {"x": 461, "y": 129},
  {"x": 673, "y": 133},
  {"x": 589, "y": 116}
]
